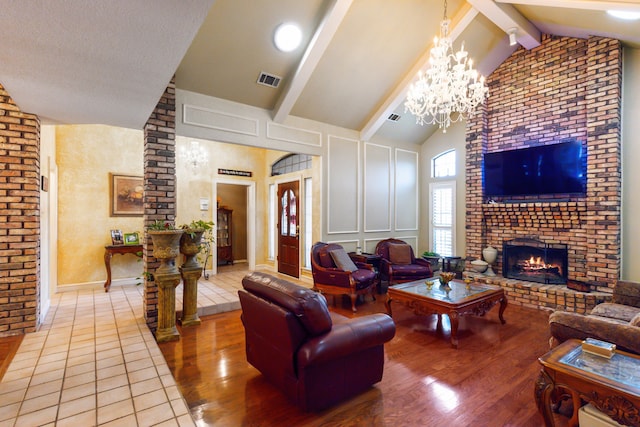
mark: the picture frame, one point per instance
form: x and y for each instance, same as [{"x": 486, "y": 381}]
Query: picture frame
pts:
[
  {"x": 131, "y": 238},
  {"x": 126, "y": 195},
  {"x": 116, "y": 237}
]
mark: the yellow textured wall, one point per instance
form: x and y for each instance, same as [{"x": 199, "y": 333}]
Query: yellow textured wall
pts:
[
  {"x": 200, "y": 184},
  {"x": 86, "y": 154}
]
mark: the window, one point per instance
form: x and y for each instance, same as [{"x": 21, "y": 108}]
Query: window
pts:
[
  {"x": 442, "y": 213},
  {"x": 272, "y": 221},
  {"x": 308, "y": 213},
  {"x": 444, "y": 165},
  {"x": 291, "y": 163}
]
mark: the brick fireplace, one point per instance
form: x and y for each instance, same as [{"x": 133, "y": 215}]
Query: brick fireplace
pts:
[{"x": 565, "y": 88}]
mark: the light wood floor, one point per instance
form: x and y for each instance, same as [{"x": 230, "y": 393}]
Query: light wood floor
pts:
[{"x": 488, "y": 381}]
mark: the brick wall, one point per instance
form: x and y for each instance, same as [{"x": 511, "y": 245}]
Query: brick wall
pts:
[
  {"x": 565, "y": 88},
  {"x": 19, "y": 218},
  {"x": 159, "y": 186}
]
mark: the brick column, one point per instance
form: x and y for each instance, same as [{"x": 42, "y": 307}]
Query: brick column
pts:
[
  {"x": 604, "y": 176},
  {"x": 19, "y": 219},
  {"x": 160, "y": 187},
  {"x": 475, "y": 147}
]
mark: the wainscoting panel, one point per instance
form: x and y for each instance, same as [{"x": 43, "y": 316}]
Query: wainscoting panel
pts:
[
  {"x": 406, "y": 200},
  {"x": 218, "y": 120},
  {"x": 377, "y": 188},
  {"x": 343, "y": 170},
  {"x": 280, "y": 132}
]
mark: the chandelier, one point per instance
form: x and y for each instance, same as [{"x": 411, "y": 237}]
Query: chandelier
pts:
[
  {"x": 450, "y": 85},
  {"x": 195, "y": 156}
]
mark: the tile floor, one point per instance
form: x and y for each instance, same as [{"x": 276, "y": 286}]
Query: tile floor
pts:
[{"x": 95, "y": 362}]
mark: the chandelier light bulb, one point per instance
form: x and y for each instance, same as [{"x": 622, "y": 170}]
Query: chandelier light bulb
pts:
[{"x": 449, "y": 90}]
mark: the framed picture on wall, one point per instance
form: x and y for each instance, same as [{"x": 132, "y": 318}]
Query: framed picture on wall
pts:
[{"x": 126, "y": 195}]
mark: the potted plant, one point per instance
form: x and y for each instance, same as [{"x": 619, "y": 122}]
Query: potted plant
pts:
[
  {"x": 191, "y": 241},
  {"x": 433, "y": 258},
  {"x": 166, "y": 245}
]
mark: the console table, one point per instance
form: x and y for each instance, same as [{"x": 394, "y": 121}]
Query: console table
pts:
[
  {"x": 611, "y": 385},
  {"x": 110, "y": 250}
]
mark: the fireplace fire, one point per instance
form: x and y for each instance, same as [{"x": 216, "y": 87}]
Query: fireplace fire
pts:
[{"x": 535, "y": 261}]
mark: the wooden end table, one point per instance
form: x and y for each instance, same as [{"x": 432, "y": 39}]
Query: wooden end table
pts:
[
  {"x": 110, "y": 250},
  {"x": 611, "y": 385},
  {"x": 476, "y": 299}
]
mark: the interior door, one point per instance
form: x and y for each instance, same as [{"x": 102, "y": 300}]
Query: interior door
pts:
[{"x": 288, "y": 228}]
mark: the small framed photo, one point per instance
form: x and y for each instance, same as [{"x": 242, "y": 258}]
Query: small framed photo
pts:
[
  {"x": 116, "y": 237},
  {"x": 131, "y": 239},
  {"x": 126, "y": 195}
]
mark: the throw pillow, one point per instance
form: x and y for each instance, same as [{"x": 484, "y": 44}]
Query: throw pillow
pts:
[
  {"x": 400, "y": 254},
  {"x": 342, "y": 260},
  {"x": 635, "y": 321}
]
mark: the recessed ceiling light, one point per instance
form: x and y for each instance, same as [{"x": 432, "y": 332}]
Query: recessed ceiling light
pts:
[
  {"x": 287, "y": 37},
  {"x": 622, "y": 14}
]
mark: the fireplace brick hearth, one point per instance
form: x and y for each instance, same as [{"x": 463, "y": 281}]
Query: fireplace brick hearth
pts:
[
  {"x": 566, "y": 88},
  {"x": 544, "y": 297}
]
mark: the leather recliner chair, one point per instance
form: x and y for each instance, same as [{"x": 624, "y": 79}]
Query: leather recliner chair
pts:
[{"x": 315, "y": 357}]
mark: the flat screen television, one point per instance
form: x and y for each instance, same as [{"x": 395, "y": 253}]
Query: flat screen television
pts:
[{"x": 543, "y": 170}]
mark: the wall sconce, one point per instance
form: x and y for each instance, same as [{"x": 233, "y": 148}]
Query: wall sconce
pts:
[
  {"x": 512, "y": 36},
  {"x": 195, "y": 155}
]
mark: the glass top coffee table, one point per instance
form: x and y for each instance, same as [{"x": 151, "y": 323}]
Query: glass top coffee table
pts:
[
  {"x": 611, "y": 385},
  {"x": 462, "y": 300}
]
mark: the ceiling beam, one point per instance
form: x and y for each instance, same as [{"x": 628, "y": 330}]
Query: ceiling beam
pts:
[
  {"x": 629, "y": 5},
  {"x": 506, "y": 17},
  {"x": 316, "y": 48},
  {"x": 459, "y": 23}
]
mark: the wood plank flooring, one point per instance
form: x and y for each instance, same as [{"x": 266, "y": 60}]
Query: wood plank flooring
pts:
[{"x": 487, "y": 381}]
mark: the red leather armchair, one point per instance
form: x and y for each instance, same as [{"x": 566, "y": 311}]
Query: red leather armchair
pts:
[
  {"x": 398, "y": 264},
  {"x": 330, "y": 278},
  {"x": 315, "y": 357}
]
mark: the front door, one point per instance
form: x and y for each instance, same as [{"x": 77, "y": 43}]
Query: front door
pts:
[{"x": 288, "y": 229}]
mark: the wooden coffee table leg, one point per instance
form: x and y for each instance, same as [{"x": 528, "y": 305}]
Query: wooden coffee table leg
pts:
[
  {"x": 503, "y": 306},
  {"x": 453, "y": 318},
  {"x": 387, "y": 305}
]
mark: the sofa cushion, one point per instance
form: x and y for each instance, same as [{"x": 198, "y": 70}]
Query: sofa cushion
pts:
[
  {"x": 635, "y": 321},
  {"x": 400, "y": 254},
  {"x": 342, "y": 260},
  {"x": 326, "y": 260},
  {"x": 615, "y": 311},
  {"x": 309, "y": 307},
  {"x": 627, "y": 293}
]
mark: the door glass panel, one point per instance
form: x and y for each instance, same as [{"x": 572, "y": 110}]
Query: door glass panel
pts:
[
  {"x": 293, "y": 215},
  {"x": 284, "y": 222}
]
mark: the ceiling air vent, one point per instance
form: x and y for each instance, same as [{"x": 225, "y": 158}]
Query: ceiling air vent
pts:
[
  {"x": 269, "y": 79},
  {"x": 393, "y": 117}
]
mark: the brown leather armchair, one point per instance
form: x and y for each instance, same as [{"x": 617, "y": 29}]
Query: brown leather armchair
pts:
[
  {"x": 344, "y": 279},
  {"x": 398, "y": 264},
  {"x": 315, "y": 357}
]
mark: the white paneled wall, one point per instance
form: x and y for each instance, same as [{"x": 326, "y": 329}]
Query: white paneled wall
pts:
[
  {"x": 377, "y": 188},
  {"x": 406, "y": 200},
  {"x": 342, "y": 185}
]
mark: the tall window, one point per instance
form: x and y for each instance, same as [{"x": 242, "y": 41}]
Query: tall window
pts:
[
  {"x": 442, "y": 207},
  {"x": 308, "y": 213},
  {"x": 272, "y": 221}
]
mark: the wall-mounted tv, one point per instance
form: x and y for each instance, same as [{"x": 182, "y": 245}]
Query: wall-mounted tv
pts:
[{"x": 543, "y": 170}]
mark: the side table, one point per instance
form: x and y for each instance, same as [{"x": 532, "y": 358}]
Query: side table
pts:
[
  {"x": 110, "y": 250},
  {"x": 611, "y": 385},
  {"x": 372, "y": 259}
]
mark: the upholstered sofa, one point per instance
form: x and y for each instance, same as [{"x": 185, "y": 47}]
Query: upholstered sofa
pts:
[
  {"x": 617, "y": 321},
  {"x": 315, "y": 357}
]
